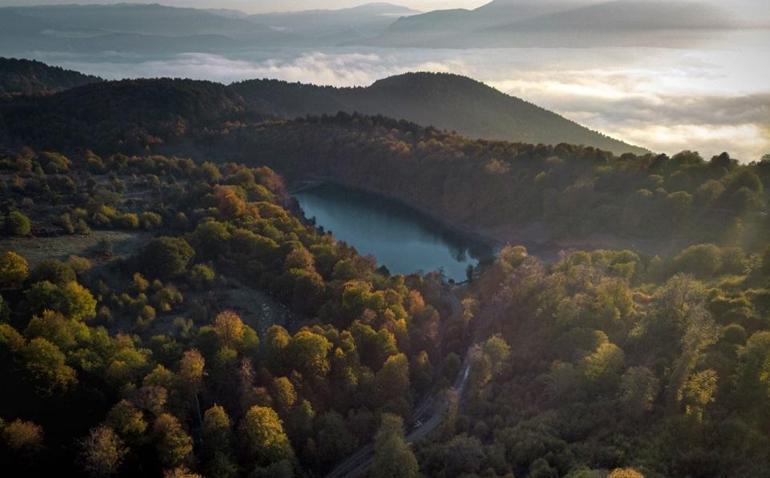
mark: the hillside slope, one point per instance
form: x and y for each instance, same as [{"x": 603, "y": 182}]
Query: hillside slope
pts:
[
  {"x": 445, "y": 101},
  {"x": 26, "y": 77}
]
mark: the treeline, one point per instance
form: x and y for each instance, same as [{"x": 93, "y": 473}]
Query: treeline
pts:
[
  {"x": 126, "y": 363},
  {"x": 504, "y": 188}
]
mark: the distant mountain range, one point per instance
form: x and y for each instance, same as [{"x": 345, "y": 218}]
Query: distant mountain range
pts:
[
  {"x": 158, "y": 107},
  {"x": 157, "y": 29},
  {"x": 556, "y": 23}
]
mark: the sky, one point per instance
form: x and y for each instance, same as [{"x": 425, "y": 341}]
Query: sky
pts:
[{"x": 262, "y": 6}]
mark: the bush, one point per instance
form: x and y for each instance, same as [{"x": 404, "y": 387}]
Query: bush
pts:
[
  {"x": 17, "y": 224},
  {"x": 166, "y": 257}
]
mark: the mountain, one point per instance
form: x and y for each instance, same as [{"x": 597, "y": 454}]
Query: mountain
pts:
[
  {"x": 26, "y": 77},
  {"x": 504, "y": 23},
  {"x": 445, "y": 101},
  {"x": 441, "y": 100},
  {"x": 127, "y": 28},
  {"x": 158, "y": 29},
  {"x": 341, "y": 26}
]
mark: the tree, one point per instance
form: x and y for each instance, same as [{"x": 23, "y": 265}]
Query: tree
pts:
[
  {"x": 638, "y": 389},
  {"x": 625, "y": 473},
  {"x": 308, "y": 352},
  {"x": 263, "y": 438},
  {"x": 180, "y": 472},
  {"x": 166, "y": 257},
  {"x": 392, "y": 380},
  {"x": 13, "y": 270},
  {"x": 201, "y": 276},
  {"x": 47, "y": 367},
  {"x": 230, "y": 204},
  {"x": 229, "y": 329},
  {"x": 334, "y": 439},
  {"x": 128, "y": 421},
  {"x": 393, "y": 458},
  {"x": 217, "y": 430},
  {"x": 702, "y": 260},
  {"x": 191, "y": 370},
  {"x": 699, "y": 391},
  {"x": 103, "y": 451},
  {"x": 211, "y": 239},
  {"x": 23, "y": 436},
  {"x": 17, "y": 224},
  {"x": 79, "y": 303},
  {"x": 53, "y": 271},
  {"x": 276, "y": 344},
  {"x": 173, "y": 444},
  {"x": 283, "y": 394},
  {"x": 603, "y": 366}
]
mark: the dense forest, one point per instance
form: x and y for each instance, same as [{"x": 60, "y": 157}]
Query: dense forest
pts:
[
  {"x": 167, "y": 310},
  {"x": 127, "y": 358},
  {"x": 132, "y": 362}
]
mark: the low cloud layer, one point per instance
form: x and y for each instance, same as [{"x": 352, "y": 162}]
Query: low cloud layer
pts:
[{"x": 711, "y": 100}]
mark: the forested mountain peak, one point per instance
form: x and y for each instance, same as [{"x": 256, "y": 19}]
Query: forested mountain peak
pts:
[{"x": 442, "y": 100}]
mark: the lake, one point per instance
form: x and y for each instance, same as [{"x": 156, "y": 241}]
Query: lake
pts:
[{"x": 402, "y": 239}]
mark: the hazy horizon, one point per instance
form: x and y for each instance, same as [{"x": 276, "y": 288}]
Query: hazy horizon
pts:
[
  {"x": 686, "y": 88},
  {"x": 261, "y": 6}
]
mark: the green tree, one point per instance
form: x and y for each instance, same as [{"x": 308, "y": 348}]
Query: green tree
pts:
[
  {"x": 17, "y": 224},
  {"x": 53, "y": 271},
  {"x": 47, "y": 367},
  {"x": 334, "y": 439},
  {"x": 128, "y": 421},
  {"x": 308, "y": 352},
  {"x": 393, "y": 458},
  {"x": 392, "y": 380},
  {"x": 166, "y": 257}
]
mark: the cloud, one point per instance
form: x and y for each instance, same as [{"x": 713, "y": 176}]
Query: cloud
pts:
[{"x": 342, "y": 69}]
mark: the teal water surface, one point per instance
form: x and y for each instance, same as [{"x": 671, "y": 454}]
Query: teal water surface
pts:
[{"x": 400, "y": 238}]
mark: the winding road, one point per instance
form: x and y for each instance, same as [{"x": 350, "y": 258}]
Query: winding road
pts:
[{"x": 429, "y": 413}]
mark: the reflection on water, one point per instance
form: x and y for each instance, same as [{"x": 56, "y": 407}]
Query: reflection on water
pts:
[{"x": 402, "y": 239}]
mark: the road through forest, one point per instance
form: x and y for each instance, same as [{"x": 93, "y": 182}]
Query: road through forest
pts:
[{"x": 430, "y": 412}]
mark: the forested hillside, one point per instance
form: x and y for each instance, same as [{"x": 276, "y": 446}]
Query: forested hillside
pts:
[
  {"x": 445, "y": 101},
  {"x": 27, "y": 77},
  {"x": 144, "y": 360},
  {"x": 135, "y": 355}
]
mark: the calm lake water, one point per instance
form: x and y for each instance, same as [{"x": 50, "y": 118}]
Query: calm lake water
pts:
[{"x": 401, "y": 239}]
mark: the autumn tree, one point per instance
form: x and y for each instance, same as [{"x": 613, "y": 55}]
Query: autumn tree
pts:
[
  {"x": 103, "y": 452},
  {"x": 13, "y": 270},
  {"x": 173, "y": 444},
  {"x": 262, "y": 437}
]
